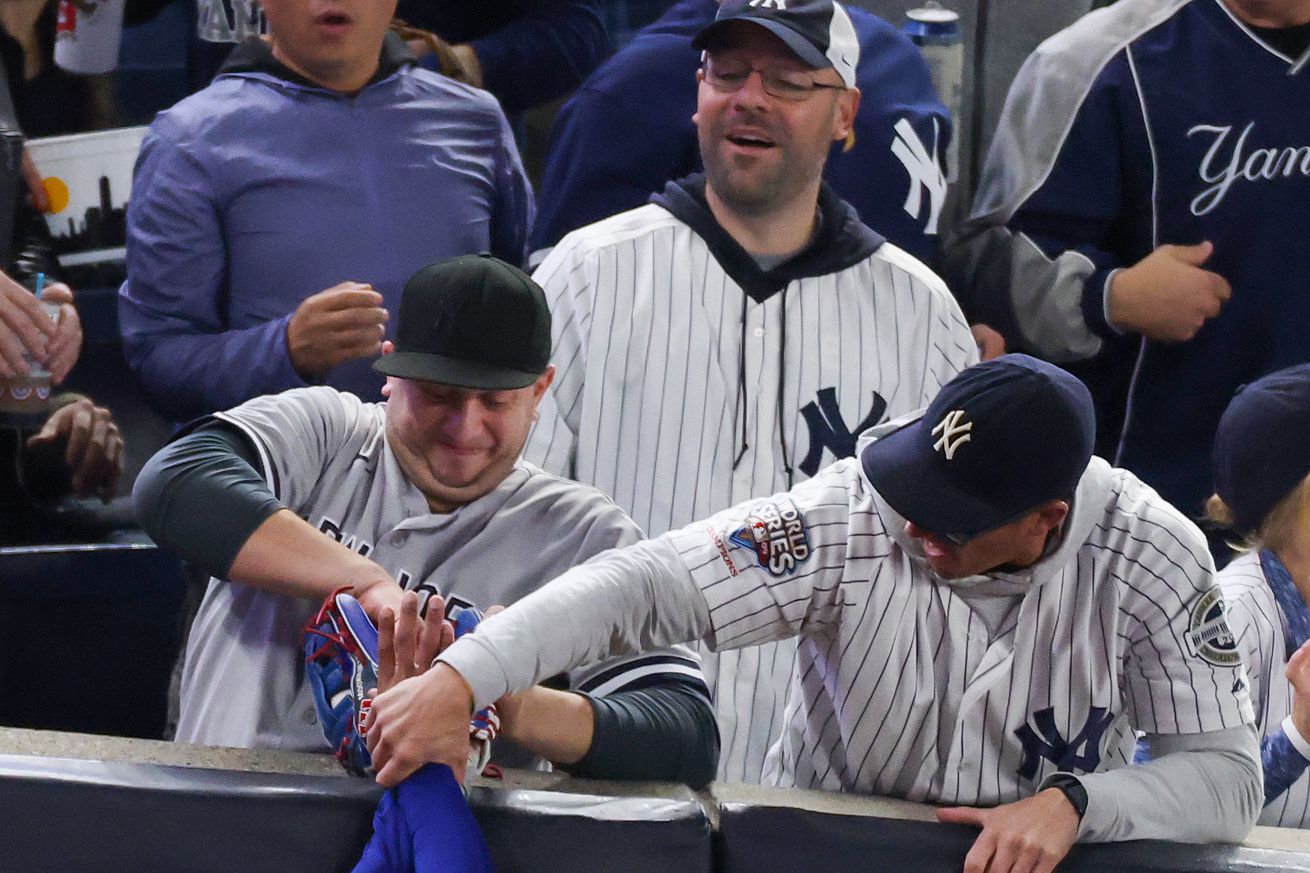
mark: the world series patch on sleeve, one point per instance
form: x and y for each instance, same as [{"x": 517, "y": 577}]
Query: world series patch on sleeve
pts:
[{"x": 775, "y": 531}]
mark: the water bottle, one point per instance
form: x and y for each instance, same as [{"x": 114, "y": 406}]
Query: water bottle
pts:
[{"x": 936, "y": 31}]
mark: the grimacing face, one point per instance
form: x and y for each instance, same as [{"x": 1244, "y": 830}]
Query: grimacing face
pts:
[
  {"x": 335, "y": 43},
  {"x": 1018, "y": 544},
  {"x": 457, "y": 444},
  {"x": 761, "y": 152}
]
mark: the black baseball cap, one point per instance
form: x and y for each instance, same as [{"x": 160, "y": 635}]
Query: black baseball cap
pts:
[
  {"x": 1261, "y": 451},
  {"x": 819, "y": 32},
  {"x": 473, "y": 321},
  {"x": 999, "y": 440}
]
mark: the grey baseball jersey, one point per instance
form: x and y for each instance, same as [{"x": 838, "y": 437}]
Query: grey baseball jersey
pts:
[
  {"x": 969, "y": 691},
  {"x": 325, "y": 455},
  {"x": 671, "y": 342},
  {"x": 1270, "y": 620}
]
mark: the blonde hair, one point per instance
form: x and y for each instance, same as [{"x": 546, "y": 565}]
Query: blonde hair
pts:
[{"x": 1277, "y": 529}]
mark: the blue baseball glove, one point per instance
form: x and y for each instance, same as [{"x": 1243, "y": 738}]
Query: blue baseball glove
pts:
[{"x": 341, "y": 667}]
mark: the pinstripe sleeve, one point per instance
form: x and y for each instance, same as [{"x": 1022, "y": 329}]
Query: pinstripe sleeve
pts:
[
  {"x": 565, "y": 277},
  {"x": 1252, "y": 632},
  {"x": 780, "y": 576},
  {"x": 770, "y": 568},
  {"x": 1184, "y": 674},
  {"x": 621, "y": 602}
]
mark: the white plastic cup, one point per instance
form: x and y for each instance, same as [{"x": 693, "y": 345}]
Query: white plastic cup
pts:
[{"x": 88, "y": 34}]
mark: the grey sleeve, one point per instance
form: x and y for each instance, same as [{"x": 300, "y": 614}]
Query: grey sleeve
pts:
[
  {"x": 665, "y": 732},
  {"x": 202, "y": 496},
  {"x": 622, "y": 602},
  {"x": 1197, "y": 788}
]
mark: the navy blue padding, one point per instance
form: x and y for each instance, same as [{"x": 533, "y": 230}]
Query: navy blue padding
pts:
[
  {"x": 76, "y": 815},
  {"x": 758, "y": 839},
  {"x": 88, "y": 637}
]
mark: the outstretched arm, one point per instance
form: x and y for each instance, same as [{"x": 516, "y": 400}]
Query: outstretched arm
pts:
[{"x": 203, "y": 497}]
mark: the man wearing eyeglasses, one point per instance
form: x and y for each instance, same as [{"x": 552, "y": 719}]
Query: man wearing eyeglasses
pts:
[
  {"x": 987, "y": 615},
  {"x": 732, "y": 336}
]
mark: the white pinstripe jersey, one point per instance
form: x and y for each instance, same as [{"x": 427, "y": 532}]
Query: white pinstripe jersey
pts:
[
  {"x": 970, "y": 691},
  {"x": 1261, "y": 627},
  {"x": 325, "y": 455},
  {"x": 651, "y": 309}
]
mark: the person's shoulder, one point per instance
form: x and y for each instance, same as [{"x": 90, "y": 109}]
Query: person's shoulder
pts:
[
  {"x": 1103, "y": 33},
  {"x": 608, "y": 233},
  {"x": 568, "y": 501},
  {"x": 1141, "y": 527},
  {"x": 877, "y": 34},
  {"x": 538, "y": 481},
  {"x": 923, "y": 280},
  {"x": 445, "y": 93},
  {"x": 228, "y": 99},
  {"x": 1243, "y": 581},
  {"x": 317, "y": 401}
]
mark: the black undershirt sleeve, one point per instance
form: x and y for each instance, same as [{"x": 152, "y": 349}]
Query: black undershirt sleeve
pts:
[
  {"x": 203, "y": 496},
  {"x": 664, "y": 732}
]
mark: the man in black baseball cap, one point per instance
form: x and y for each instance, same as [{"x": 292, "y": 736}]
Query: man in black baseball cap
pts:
[
  {"x": 469, "y": 365},
  {"x": 473, "y": 322},
  {"x": 287, "y": 498}
]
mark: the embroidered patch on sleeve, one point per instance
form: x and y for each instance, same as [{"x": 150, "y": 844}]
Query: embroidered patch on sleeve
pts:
[
  {"x": 1208, "y": 635},
  {"x": 775, "y": 531}
]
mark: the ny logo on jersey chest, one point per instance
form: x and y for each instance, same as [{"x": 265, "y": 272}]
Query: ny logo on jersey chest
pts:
[
  {"x": 1041, "y": 738},
  {"x": 828, "y": 429}
]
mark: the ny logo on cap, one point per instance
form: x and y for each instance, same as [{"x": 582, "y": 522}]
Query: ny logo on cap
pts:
[
  {"x": 953, "y": 433},
  {"x": 770, "y": 4}
]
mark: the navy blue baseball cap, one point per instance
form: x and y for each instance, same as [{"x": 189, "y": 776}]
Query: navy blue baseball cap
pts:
[
  {"x": 472, "y": 321},
  {"x": 819, "y": 32},
  {"x": 1262, "y": 447},
  {"x": 998, "y": 441}
]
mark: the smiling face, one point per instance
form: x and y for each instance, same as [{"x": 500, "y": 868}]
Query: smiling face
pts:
[
  {"x": 761, "y": 152},
  {"x": 1017, "y": 544},
  {"x": 335, "y": 43},
  {"x": 457, "y": 444}
]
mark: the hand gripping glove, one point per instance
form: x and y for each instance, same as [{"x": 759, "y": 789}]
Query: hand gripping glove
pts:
[{"x": 341, "y": 668}]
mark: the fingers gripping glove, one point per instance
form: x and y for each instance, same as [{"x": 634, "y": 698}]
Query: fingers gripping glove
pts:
[{"x": 341, "y": 669}]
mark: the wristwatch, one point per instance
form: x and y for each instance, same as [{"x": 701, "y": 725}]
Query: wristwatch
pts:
[{"x": 1073, "y": 791}]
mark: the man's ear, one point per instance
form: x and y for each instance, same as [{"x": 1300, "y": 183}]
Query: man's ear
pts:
[
  {"x": 700, "y": 81},
  {"x": 543, "y": 382},
  {"x": 1052, "y": 513},
  {"x": 848, "y": 104}
]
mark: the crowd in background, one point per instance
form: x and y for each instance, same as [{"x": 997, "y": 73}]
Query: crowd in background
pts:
[{"x": 279, "y": 211}]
